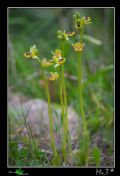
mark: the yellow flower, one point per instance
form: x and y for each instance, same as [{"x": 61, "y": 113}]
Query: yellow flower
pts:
[
  {"x": 81, "y": 22},
  {"x": 88, "y": 20},
  {"x": 70, "y": 34},
  {"x": 32, "y": 53},
  {"x": 57, "y": 53},
  {"x": 54, "y": 76},
  {"x": 57, "y": 58},
  {"x": 78, "y": 24},
  {"x": 28, "y": 54},
  {"x": 45, "y": 63},
  {"x": 85, "y": 21},
  {"x": 78, "y": 47},
  {"x": 65, "y": 35}
]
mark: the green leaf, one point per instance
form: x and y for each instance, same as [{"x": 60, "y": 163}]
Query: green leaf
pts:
[
  {"x": 92, "y": 39},
  {"x": 56, "y": 161},
  {"x": 13, "y": 150},
  {"x": 96, "y": 155},
  {"x": 79, "y": 157},
  {"x": 84, "y": 143},
  {"x": 94, "y": 123}
]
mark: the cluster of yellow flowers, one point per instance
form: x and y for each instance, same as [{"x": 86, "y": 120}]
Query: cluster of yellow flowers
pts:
[
  {"x": 79, "y": 25},
  {"x": 57, "y": 58}
]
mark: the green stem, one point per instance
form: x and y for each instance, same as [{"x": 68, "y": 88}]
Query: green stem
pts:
[
  {"x": 66, "y": 137},
  {"x": 53, "y": 145},
  {"x": 61, "y": 97},
  {"x": 64, "y": 88},
  {"x": 65, "y": 126},
  {"x": 79, "y": 69},
  {"x": 63, "y": 119},
  {"x": 65, "y": 98},
  {"x": 85, "y": 131},
  {"x": 81, "y": 34}
]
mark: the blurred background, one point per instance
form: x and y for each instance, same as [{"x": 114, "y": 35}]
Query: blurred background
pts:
[
  {"x": 39, "y": 27},
  {"x": 28, "y": 26}
]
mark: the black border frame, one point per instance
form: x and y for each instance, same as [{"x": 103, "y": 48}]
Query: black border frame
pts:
[{"x": 3, "y": 90}]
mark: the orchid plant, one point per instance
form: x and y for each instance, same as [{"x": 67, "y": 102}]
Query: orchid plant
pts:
[{"x": 57, "y": 61}]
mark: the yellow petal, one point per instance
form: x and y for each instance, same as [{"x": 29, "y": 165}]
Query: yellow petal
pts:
[
  {"x": 58, "y": 53},
  {"x": 28, "y": 55},
  {"x": 78, "y": 46},
  {"x": 46, "y": 63},
  {"x": 54, "y": 76},
  {"x": 70, "y": 34}
]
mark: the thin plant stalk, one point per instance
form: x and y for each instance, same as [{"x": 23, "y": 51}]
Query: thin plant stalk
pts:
[
  {"x": 30, "y": 132},
  {"x": 64, "y": 90},
  {"x": 53, "y": 145},
  {"x": 79, "y": 70},
  {"x": 80, "y": 92},
  {"x": 65, "y": 122},
  {"x": 63, "y": 119},
  {"x": 26, "y": 120},
  {"x": 61, "y": 97},
  {"x": 34, "y": 143},
  {"x": 81, "y": 34},
  {"x": 64, "y": 93},
  {"x": 65, "y": 126}
]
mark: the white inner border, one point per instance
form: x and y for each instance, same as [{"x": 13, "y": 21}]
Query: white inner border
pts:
[{"x": 113, "y": 81}]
